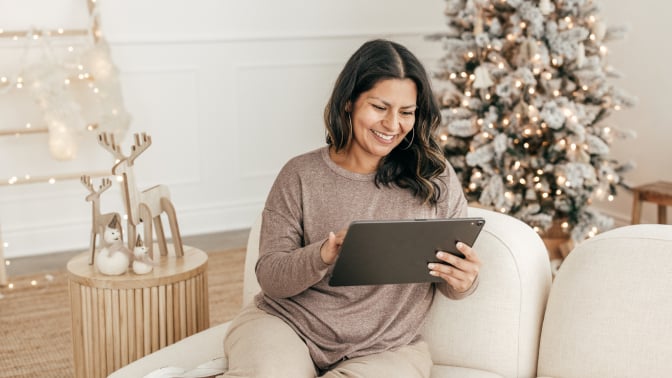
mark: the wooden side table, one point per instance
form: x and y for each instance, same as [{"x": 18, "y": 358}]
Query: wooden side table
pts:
[
  {"x": 118, "y": 319},
  {"x": 659, "y": 192}
]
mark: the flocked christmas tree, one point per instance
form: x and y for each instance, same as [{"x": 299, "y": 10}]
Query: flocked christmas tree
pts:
[{"x": 524, "y": 92}]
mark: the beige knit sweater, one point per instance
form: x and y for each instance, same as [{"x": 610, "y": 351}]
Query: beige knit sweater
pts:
[{"x": 311, "y": 197}]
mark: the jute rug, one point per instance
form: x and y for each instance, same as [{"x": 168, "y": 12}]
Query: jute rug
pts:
[{"x": 35, "y": 321}]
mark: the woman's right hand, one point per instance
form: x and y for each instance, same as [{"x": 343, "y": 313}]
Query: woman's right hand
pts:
[{"x": 332, "y": 246}]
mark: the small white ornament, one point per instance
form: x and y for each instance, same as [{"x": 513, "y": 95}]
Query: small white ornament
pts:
[
  {"x": 113, "y": 259},
  {"x": 546, "y": 7},
  {"x": 483, "y": 79},
  {"x": 142, "y": 263},
  {"x": 580, "y": 55}
]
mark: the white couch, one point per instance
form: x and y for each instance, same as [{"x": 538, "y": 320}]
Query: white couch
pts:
[{"x": 609, "y": 312}]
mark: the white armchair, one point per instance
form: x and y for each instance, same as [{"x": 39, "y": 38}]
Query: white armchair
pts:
[
  {"x": 609, "y": 313},
  {"x": 493, "y": 333}
]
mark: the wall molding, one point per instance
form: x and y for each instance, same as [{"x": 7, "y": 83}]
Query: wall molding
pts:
[
  {"x": 159, "y": 39},
  {"x": 53, "y": 237}
]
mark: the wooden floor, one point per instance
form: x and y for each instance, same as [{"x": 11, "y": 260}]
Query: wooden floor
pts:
[{"x": 43, "y": 263}]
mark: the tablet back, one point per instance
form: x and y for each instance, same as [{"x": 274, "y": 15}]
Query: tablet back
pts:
[{"x": 398, "y": 251}]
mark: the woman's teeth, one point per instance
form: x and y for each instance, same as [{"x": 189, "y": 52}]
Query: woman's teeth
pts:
[{"x": 383, "y": 136}]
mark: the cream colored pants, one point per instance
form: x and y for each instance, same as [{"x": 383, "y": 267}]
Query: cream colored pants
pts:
[{"x": 260, "y": 345}]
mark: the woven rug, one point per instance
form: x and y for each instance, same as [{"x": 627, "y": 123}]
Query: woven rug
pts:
[{"x": 35, "y": 321}]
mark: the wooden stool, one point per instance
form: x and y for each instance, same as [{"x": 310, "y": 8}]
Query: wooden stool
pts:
[
  {"x": 118, "y": 319},
  {"x": 659, "y": 192}
]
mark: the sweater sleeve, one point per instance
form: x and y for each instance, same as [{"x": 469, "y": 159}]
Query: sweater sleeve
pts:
[{"x": 286, "y": 267}]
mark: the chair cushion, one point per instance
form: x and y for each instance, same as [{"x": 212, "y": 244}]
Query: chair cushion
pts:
[
  {"x": 185, "y": 354},
  {"x": 442, "y": 371}
]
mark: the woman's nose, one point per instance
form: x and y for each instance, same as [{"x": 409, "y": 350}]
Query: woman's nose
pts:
[{"x": 391, "y": 121}]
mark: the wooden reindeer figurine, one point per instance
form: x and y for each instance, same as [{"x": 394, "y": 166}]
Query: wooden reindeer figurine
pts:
[
  {"x": 143, "y": 206},
  {"x": 98, "y": 221}
]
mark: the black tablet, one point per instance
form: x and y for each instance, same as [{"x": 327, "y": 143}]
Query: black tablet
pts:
[{"x": 398, "y": 251}]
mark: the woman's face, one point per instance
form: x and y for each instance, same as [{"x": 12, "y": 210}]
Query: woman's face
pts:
[{"x": 382, "y": 116}]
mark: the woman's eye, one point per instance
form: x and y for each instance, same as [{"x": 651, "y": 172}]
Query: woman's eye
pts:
[
  {"x": 408, "y": 113},
  {"x": 378, "y": 107}
]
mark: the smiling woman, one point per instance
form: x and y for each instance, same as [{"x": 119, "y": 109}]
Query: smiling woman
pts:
[
  {"x": 370, "y": 169},
  {"x": 380, "y": 118}
]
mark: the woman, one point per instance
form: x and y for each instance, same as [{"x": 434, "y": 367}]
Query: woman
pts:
[{"x": 380, "y": 162}]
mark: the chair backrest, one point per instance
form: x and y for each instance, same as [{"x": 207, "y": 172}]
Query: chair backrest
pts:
[
  {"x": 250, "y": 284},
  {"x": 609, "y": 313},
  {"x": 497, "y": 328}
]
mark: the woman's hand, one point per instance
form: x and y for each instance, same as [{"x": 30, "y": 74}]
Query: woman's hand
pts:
[
  {"x": 462, "y": 272},
  {"x": 332, "y": 246}
]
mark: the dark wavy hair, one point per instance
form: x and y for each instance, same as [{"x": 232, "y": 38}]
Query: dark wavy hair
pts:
[{"x": 416, "y": 167}]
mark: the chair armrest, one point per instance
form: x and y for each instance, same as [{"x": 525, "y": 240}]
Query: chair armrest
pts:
[{"x": 186, "y": 353}]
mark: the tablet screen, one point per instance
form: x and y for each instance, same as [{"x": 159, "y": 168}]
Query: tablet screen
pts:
[{"x": 398, "y": 251}]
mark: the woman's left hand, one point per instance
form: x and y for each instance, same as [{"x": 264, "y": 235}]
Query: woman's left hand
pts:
[{"x": 462, "y": 272}]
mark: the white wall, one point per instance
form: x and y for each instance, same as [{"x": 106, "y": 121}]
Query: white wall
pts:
[
  {"x": 229, "y": 90},
  {"x": 643, "y": 57}
]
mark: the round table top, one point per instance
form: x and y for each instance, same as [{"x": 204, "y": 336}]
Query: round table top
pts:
[{"x": 169, "y": 269}]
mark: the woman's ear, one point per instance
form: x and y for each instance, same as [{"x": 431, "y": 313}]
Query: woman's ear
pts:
[{"x": 348, "y": 107}]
